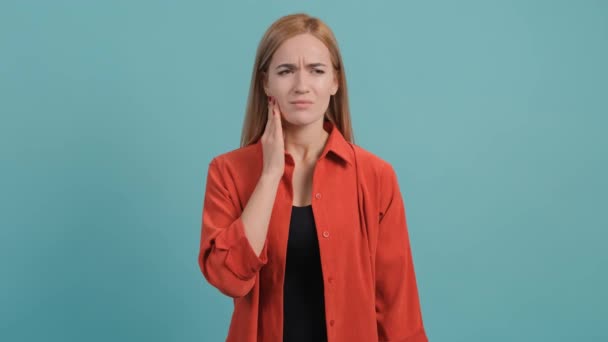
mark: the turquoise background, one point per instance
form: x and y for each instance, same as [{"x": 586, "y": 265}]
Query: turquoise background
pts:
[{"x": 494, "y": 115}]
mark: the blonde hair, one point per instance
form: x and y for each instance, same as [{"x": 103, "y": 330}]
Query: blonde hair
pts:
[{"x": 282, "y": 29}]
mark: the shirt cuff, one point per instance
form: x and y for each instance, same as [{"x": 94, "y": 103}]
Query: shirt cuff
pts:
[{"x": 241, "y": 259}]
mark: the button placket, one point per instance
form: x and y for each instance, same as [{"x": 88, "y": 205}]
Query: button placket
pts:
[{"x": 326, "y": 234}]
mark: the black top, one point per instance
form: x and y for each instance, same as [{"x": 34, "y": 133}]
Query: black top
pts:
[{"x": 304, "y": 304}]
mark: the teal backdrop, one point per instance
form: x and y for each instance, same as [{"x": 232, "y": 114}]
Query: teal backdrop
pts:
[{"x": 493, "y": 113}]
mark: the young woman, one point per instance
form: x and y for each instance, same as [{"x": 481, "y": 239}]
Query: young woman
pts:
[{"x": 303, "y": 228}]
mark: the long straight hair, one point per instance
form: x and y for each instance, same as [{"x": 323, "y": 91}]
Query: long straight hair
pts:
[{"x": 282, "y": 29}]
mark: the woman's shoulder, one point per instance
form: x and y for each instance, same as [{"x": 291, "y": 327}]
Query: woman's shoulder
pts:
[
  {"x": 370, "y": 161},
  {"x": 377, "y": 173},
  {"x": 240, "y": 157}
]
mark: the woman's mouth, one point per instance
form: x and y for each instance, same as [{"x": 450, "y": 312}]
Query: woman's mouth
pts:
[{"x": 301, "y": 104}]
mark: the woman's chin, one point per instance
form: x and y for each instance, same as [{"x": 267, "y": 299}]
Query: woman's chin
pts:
[{"x": 301, "y": 118}]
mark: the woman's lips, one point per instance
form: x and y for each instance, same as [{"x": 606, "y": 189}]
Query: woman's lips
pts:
[{"x": 301, "y": 104}]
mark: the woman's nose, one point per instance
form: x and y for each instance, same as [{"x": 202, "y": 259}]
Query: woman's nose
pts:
[{"x": 301, "y": 83}]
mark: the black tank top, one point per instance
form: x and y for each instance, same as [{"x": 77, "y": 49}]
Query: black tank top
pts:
[{"x": 304, "y": 304}]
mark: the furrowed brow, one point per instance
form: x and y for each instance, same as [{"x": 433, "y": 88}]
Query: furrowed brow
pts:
[{"x": 293, "y": 66}]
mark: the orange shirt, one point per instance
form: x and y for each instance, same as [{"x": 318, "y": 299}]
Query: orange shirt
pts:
[{"x": 369, "y": 280}]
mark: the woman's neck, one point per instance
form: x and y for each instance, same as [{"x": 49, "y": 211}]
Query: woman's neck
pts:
[{"x": 305, "y": 143}]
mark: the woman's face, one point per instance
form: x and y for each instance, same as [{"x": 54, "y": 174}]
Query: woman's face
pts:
[{"x": 301, "y": 70}]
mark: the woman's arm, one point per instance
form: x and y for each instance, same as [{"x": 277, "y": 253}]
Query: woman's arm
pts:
[
  {"x": 233, "y": 244},
  {"x": 398, "y": 313},
  {"x": 256, "y": 215}
]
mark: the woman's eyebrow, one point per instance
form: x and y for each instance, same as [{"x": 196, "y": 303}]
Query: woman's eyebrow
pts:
[{"x": 293, "y": 66}]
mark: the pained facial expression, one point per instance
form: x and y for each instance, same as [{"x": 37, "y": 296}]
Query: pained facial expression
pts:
[{"x": 301, "y": 70}]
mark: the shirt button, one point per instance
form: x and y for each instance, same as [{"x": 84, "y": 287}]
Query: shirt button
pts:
[
  {"x": 318, "y": 195},
  {"x": 332, "y": 322},
  {"x": 326, "y": 234},
  {"x": 330, "y": 280}
]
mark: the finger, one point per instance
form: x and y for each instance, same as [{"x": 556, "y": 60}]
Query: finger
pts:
[
  {"x": 277, "y": 120},
  {"x": 270, "y": 121},
  {"x": 267, "y": 126},
  {"x": 269, "y": 108}
]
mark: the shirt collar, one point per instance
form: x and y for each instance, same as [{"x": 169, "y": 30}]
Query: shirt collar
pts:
[{"x": 336, "y": 143}]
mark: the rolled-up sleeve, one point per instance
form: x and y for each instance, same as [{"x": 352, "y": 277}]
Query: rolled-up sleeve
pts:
[
  {"x": 398, "y": 311},
  {"x": 226, "y": 257}
]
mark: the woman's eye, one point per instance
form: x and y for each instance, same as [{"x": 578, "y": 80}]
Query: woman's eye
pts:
[{"x": 317, "y": 71}]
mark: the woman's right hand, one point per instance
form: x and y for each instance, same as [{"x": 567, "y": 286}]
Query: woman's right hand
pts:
[{"x": 273, "y": 144}]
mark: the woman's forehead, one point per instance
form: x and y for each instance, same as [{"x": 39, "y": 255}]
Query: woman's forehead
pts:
[{"x": 304, "y": 48}]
